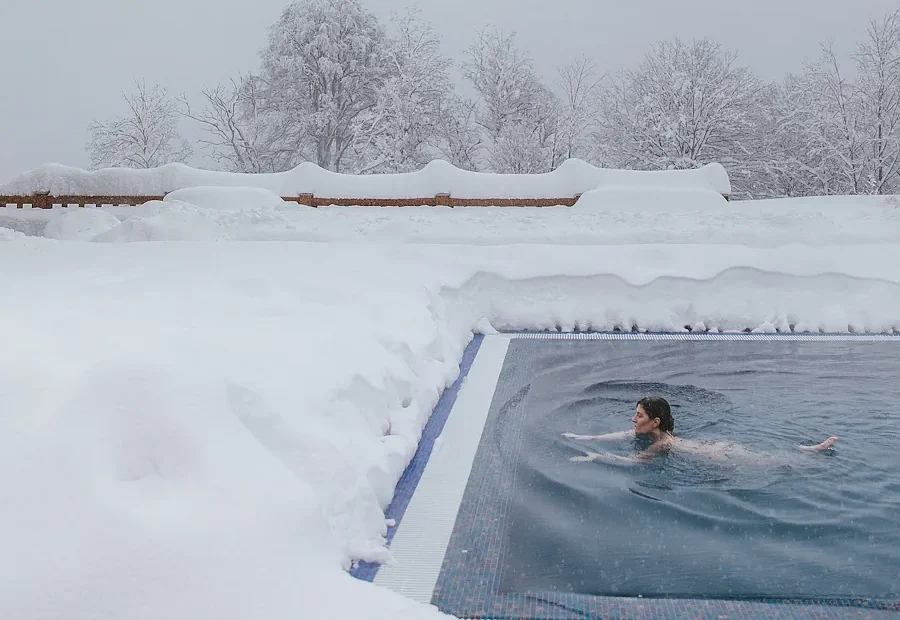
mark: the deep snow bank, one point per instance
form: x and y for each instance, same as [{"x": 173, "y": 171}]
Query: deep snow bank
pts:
[{"x": 571, "y": 178}]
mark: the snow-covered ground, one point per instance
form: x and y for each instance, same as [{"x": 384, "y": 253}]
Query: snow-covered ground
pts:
[
  {"x": 763, "y": 224},
  {"x": 194, "y": 428}
]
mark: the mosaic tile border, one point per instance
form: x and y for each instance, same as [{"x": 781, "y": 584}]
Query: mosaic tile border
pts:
[
  {"x": 697, "y": 336},
  {"x": 408, "y": 482},
  {"x": 419, "y": 547},
  {"x": 549, "y": 606}
]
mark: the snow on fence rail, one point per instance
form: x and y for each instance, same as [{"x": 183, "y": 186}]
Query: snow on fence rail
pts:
[
  {"x": 47, "y": 201},
  {"x": 437, "y": 184}
]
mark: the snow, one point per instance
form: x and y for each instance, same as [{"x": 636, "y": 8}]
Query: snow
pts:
[
  {"x": 218, "y": 197},
  {"x": 192, "y": 428},
  {"x": 569, "y": 179},
  {"x": 82, "y": 225},
  {"x": 7, "y": 234},
  {"x": 618, "y": 198},
  {"x": 687, "y": 220}
]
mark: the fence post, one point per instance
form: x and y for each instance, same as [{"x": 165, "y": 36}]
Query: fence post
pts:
[
  {"x": 42, "y": 200},
  {"x": 443, "y": 200},
  {"x": 307, "y": 199}
]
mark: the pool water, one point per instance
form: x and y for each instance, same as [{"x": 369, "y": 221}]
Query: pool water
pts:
[{"x": 763, "y": 521}]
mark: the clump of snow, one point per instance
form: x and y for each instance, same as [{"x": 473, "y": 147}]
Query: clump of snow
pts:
[
  {"x": 79, "y": 224},
  {"x": 643, "y": 199},
  {"x": 573, "y": 177},
  {"x": 165, "y": 221},
  {"x": 30, "y": 222},
  {"x": 173, "y": 220},
  {"x": 229, "y": 198},
  {"x": 7, "y": 234}
]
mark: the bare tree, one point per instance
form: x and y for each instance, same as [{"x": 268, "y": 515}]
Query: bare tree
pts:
[
  {"x": 580, "y": 87},
  {"x": 238, "y": 128},
  {"x": 146, "y": 137}
]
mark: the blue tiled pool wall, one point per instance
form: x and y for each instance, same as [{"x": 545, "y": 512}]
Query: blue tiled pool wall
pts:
[
  {"x": 468, "y": 585},
  {"x": 406, "y": 486}
]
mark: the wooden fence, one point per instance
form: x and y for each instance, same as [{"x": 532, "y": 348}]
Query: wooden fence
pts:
[{"x": 47, "y": 201}]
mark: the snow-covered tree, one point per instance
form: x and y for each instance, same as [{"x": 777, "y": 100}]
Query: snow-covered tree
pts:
[
  {"x": 776, "y": 166},
  {"x": 822, "y": 116},
  {"x": 838, "y": 130},
  {"x": 324, "y": 65},
  {"x": 685, "y": 105},
  {"x": 146, "y": 137},
  {"x": 399, "y": 132},
  {"x": 459, "y": 138},
  {"x": 516, "y": 108},
  {"x": 517, "y": 151},
  {"x": 533, "y": 144},
  {"x": 878, "y": 85}
]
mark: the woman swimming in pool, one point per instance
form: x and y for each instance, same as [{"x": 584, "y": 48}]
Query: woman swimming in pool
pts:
[{"x": 653, "y": 418}]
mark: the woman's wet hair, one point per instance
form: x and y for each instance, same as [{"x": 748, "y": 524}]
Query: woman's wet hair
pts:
[{"x": 658, "y": 407}]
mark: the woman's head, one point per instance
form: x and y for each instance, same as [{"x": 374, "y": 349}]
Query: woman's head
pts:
[{"x": 653, "y": 413}]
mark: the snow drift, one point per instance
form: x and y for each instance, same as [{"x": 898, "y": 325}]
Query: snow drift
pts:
[
  {"x": 226, "y": 198},
  {"x": 573, "y": 177},
  {"x": 79, "y": 225}
]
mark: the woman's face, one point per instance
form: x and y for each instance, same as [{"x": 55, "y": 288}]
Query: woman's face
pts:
[{"x": 642, "y": 422}]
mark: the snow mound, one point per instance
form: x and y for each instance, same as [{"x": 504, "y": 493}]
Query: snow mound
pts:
[
  {"x": 79, "y": 224},
  {"x": 165, "y": 221},
  {"x": 7, "y": 234},
  {"x": 186, "y": 530},
  {"x": 648, "y": 198},
  {"x": 226, "y": 198},
  {"x": 573, "y": 177},
  {"x": 174, "y": 220}
]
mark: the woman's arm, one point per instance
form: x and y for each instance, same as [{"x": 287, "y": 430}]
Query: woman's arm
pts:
[
  {"x": 606, "y": 457},
  {"x": 820, "y": 446},
  {"x": 615, "y": 459},
  {"x": 606, "y": 437}
]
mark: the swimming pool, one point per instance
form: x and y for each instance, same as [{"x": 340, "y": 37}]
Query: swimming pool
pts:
[{"x": 537, "y": 535}]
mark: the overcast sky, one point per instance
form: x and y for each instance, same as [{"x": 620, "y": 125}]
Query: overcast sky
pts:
[{"x": 67, "y": 62}]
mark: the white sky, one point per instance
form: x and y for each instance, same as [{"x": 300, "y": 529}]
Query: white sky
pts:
[{"x": 65, "y": 63}]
